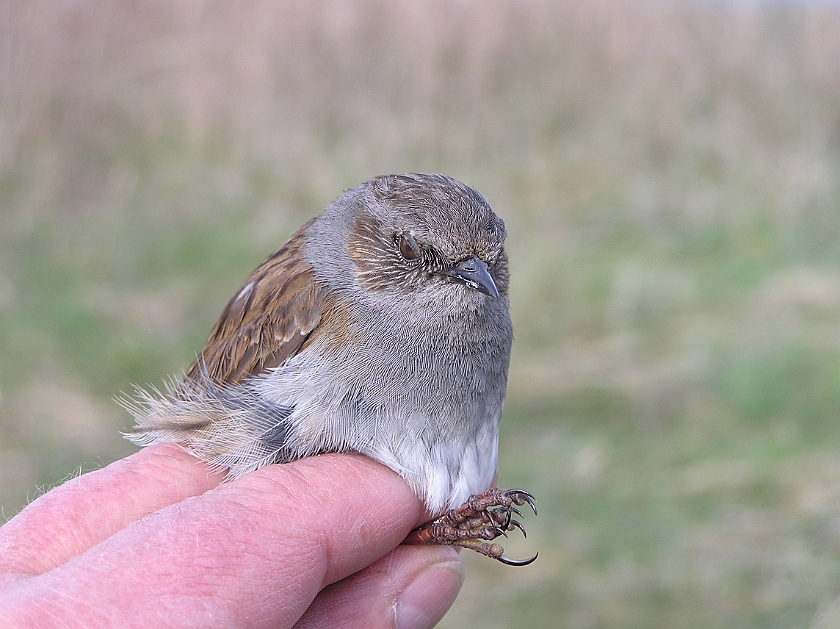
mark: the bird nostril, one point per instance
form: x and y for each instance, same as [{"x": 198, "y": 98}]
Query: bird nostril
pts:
[{"x": 474, "y": 274}]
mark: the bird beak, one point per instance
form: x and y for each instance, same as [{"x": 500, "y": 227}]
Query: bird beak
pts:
[{"x": 474, "y": 274}]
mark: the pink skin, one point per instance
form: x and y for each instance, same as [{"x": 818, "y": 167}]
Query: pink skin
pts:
[{"x": 154, "y": 540}]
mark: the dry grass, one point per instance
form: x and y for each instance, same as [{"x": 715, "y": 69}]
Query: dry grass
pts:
[{"x": 670, "y": 175}]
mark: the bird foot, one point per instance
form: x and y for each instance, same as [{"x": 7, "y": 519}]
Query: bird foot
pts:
[{"x": 477, "y": 522}]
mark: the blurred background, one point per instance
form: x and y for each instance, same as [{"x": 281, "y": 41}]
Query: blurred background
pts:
[{"x": 670, "y": 176}]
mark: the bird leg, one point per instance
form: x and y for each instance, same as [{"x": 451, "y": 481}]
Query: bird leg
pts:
[{"x": 480, "y": 520}]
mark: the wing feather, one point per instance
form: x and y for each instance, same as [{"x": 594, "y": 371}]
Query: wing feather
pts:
[{"x": 267, "y": 321}]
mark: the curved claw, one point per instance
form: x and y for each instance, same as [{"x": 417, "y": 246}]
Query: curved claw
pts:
[
  {"x": 484, "y": 516},
  {"x": 521, "y": 492},
  {"x": 520, "y": 497},
  {"x": 517, "y": 562},
  {"x": 497, "y": 528},
  {"x": 516, "y": 524},
  {"x": 504, "y": 526}
]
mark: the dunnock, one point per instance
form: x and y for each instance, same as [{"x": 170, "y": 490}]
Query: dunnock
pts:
[{"x": 381, "y": 327}]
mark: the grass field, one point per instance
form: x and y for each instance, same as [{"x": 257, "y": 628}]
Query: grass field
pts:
[{"x": 670, "y": 176}]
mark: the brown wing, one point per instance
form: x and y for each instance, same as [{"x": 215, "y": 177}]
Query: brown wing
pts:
[{"x": 267, "y": 320}]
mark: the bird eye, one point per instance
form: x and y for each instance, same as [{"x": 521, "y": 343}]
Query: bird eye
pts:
[{"x": 408, "y": 248}]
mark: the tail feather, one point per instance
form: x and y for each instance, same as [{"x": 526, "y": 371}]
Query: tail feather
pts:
[{"x": 230, "y": 428}]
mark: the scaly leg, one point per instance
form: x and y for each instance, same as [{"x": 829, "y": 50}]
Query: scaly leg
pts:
[{"x": 481, "y": 519}]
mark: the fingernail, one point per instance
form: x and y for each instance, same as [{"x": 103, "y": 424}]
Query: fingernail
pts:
[{"x": 429, "y": 596}]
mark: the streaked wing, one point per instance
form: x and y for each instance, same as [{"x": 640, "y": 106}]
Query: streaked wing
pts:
[{"x": 267, "y": 321}]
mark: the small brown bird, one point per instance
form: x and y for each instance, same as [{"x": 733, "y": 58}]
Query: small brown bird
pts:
[{"x": 381, "y": 327}]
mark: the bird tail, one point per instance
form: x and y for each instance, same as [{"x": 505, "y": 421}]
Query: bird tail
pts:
[{"x": 231, "y": 428}]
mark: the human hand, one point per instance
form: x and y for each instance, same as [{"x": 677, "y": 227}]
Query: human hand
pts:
[{"x": 157, "y": 540}]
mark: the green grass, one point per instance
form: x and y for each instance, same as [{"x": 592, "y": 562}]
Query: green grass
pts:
[{"x": 670, "y": 177}]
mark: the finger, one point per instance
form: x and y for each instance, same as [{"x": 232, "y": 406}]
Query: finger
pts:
[
  {"x": 255, "y": 551},
  {"x": 74, "y": 517},
  {"x": 410, "y": 588}
]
